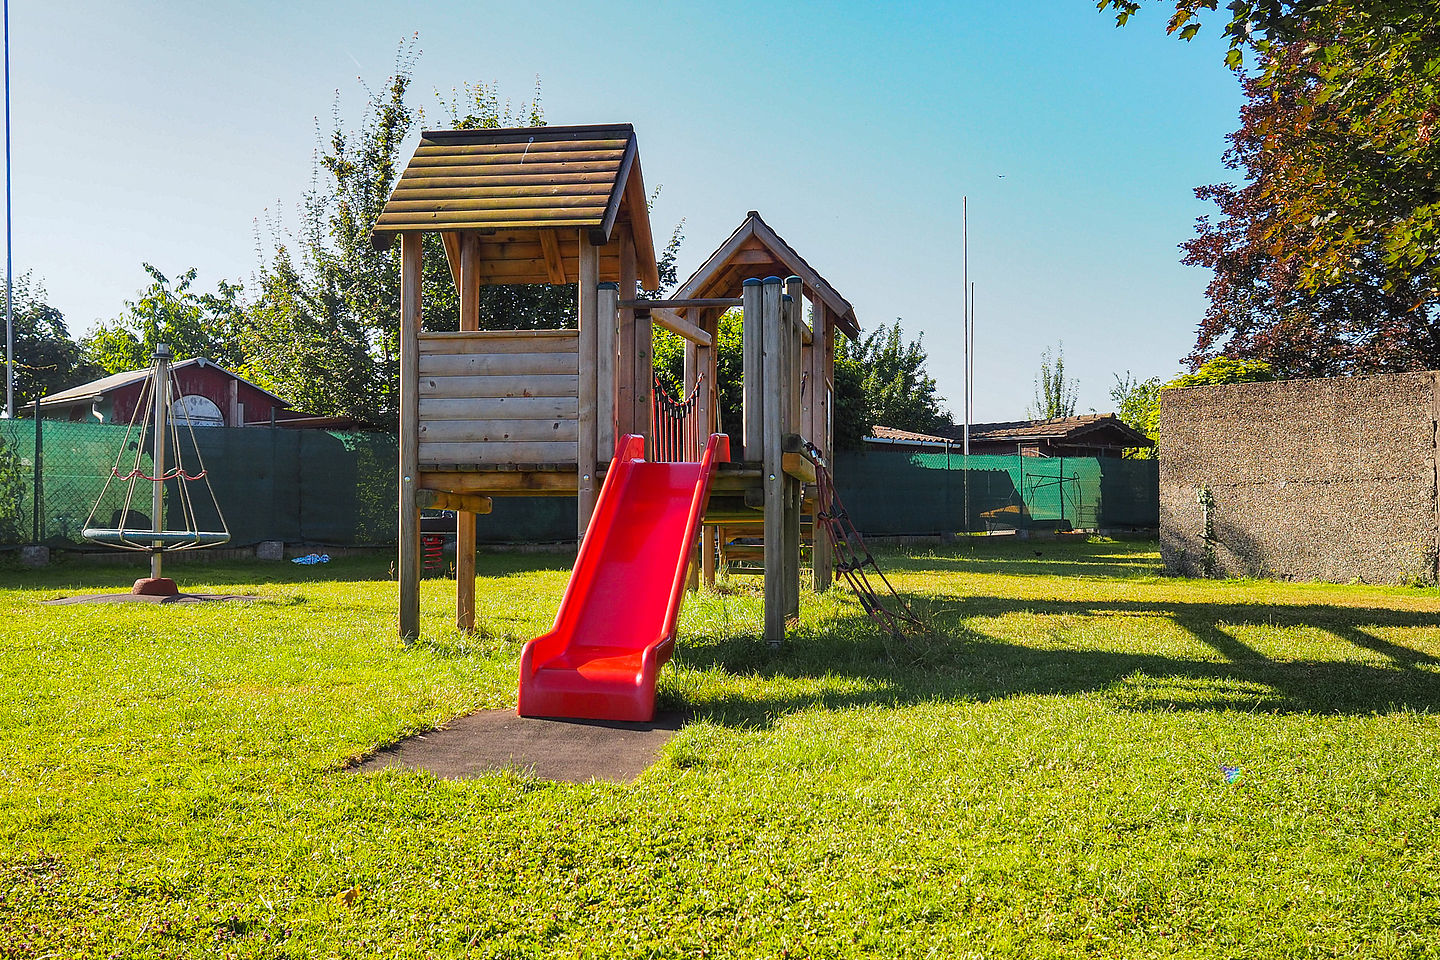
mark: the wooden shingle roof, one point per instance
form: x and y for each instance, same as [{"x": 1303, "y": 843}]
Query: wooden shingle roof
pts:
[
  {"x": 756, "y": 250},
  {"x": 517, "y": 182}
]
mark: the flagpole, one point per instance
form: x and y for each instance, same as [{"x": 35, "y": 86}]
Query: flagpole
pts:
[{"x": 9, "y": 259}]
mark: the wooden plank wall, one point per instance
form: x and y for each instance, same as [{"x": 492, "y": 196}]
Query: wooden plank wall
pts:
[{"x": 498, "y": 397}]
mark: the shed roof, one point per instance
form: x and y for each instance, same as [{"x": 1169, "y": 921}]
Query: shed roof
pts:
[
  {"x": 524, "y": 181},
  {"x": 1082, "y": 429},
  {"x": 756, "y": 250},
  {"x": 97, "y": 388}
]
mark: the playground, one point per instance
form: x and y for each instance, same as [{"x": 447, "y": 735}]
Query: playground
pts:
[{"x": 1085, "y": 758}]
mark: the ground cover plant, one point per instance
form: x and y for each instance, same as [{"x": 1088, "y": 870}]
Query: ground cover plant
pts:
[{"x": 1085, "y": 758}]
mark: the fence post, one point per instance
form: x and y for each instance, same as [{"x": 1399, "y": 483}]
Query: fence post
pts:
[{"x": 37, "y": 497}]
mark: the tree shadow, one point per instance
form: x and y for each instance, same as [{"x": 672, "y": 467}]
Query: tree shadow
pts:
[{"x": 847, "y": 663}]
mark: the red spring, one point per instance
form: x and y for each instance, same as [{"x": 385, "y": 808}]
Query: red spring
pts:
[{"x": 432, "y": 553}]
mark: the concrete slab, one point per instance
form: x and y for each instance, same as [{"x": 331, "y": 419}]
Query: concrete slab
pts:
[{"x": 574, "y": 751}]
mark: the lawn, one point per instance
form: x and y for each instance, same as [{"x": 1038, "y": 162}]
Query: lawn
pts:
[{"x": 1083, "y": 758}]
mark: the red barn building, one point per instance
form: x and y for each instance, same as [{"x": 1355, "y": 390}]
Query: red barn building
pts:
[{"x": 212, "y": 397}]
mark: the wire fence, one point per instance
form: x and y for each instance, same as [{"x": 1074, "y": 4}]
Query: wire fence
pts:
[
  {"x": 340, "y": 488},
  {"x": 294, "y": 485}
]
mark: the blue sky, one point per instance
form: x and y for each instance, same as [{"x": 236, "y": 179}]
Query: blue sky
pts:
[{"x": 165, "y": 131}]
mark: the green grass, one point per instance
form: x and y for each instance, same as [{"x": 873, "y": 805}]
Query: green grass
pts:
[{"x": 1040, "y": 776}]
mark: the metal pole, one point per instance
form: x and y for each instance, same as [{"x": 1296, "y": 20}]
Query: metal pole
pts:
[
  {"x": 162, "y": 410},
  {"x": 965, "y": 309},
  {"x": 9, "y": 234}
]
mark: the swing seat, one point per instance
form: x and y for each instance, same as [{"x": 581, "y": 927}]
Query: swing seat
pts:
[{"x": 165, "y": 538}]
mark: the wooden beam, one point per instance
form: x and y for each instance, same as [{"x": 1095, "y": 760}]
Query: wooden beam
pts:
[
  {"x": 752, "y": 376},
  {"x": 643, "y": 304},
  {"x": 408, "y": 560},
  {"x": 772, "y": 357},
  {"x": 524, "y": 483},
  {"x": 690, "y": 372},
  {"x": 450, "y": 240},
  {"x": 644, "y": 374},
  {"x": 472, "y": 504},
  {"x": 673, "y": 322},
  {"x": 625, "y": 339},
  {"x": 588, "y": 279},
  {"x": 798, "y": 465},
  {"x": 707, "y": 555},
  {"x": 554, "y": 263},
  {"x": 469, "y": 287},
  {"x": 822, "y": 359},
  {"x": 605, "y": 352}
]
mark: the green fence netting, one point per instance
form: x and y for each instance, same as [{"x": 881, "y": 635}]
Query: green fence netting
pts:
[
  {"x": 900, "y": 493},
  {"x": 294, "y": 485},
  {"x": 329, "y": 487}
]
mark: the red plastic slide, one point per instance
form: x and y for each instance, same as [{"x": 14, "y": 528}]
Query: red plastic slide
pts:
[{"x": 616, "y": 625}]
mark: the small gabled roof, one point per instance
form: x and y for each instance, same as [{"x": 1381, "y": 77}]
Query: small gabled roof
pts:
[
  {"x": 524, "y": 180},
  {"x": 756, "y": 250},
  {"x": 98, "y": 388},
  {"x": 1072, "y": 429},
  {"x": 883, "y": 434}
]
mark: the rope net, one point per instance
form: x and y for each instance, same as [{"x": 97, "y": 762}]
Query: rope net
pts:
[{"x": 127, "y": 528}]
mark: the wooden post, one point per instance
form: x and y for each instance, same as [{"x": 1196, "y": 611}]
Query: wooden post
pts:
[
  {"x": 752, "y": 387},
  {"x": 625, "y": 338},
  {"x": 774, "y": 400},
  {"x": 586, "y": 454},
  {"x": 644, "y": 389},
  {"x": 464, "y": 519},
  {"x": 822, "y": 359},
  {"x": 709, "y": 423},
  {"x": 692, "y": 446},
  {"x": 793, "y": 488},
  {"x": 691, "y": 377},
  {"x": 606, "y": 300},
  {"x": 408, "y": 561}
]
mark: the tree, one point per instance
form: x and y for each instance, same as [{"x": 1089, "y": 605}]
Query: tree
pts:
[
  {"x": 1374, "y": 317},
  {"x": 1055, "y": 396},
  {"x": 1137, "y": 402},
  {"x": 46, "y": 359},
  {"x": 1360, "y": 150},
  {"x": 898, "y": 391},
  {"x": 324, "y": 329},
  {"x": 1225, "y": 370},
  {"x": 193, "y": 324}
]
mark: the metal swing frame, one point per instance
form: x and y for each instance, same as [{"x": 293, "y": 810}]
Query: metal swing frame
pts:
[{"x": 157, "y": 403}]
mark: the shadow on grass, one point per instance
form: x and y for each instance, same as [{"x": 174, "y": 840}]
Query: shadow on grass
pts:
[
  {"x": 1034, "y": 558},
  {"x": 88, "y": 576},
  {"x": 956, "y": 663}
]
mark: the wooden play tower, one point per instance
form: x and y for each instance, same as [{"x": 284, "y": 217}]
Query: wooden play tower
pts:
[{"x": 505, "y": 413}]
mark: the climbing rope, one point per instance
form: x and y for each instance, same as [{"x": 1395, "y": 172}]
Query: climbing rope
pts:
[{"x": 854, "y": 561}]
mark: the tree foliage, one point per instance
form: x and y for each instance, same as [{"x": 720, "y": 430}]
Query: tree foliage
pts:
[
  {"x": 46, "y": 359},
  {"x": 169, "y": 311},
  {"x": 1374, "y": 317},
  {"x": 323, "y": 331},
  {"x": 897, "y": 389},
  {"x": 1055, "y": 394},
  {"x": 852, "y": 415},
  {"x": 1225, "y": 370},
  {"x": 1137, "y": 403},
  {"x": 1354, "y": 190}
]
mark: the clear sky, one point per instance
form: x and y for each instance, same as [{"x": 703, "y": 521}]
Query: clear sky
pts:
[{"x": 169, "y": 131}]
